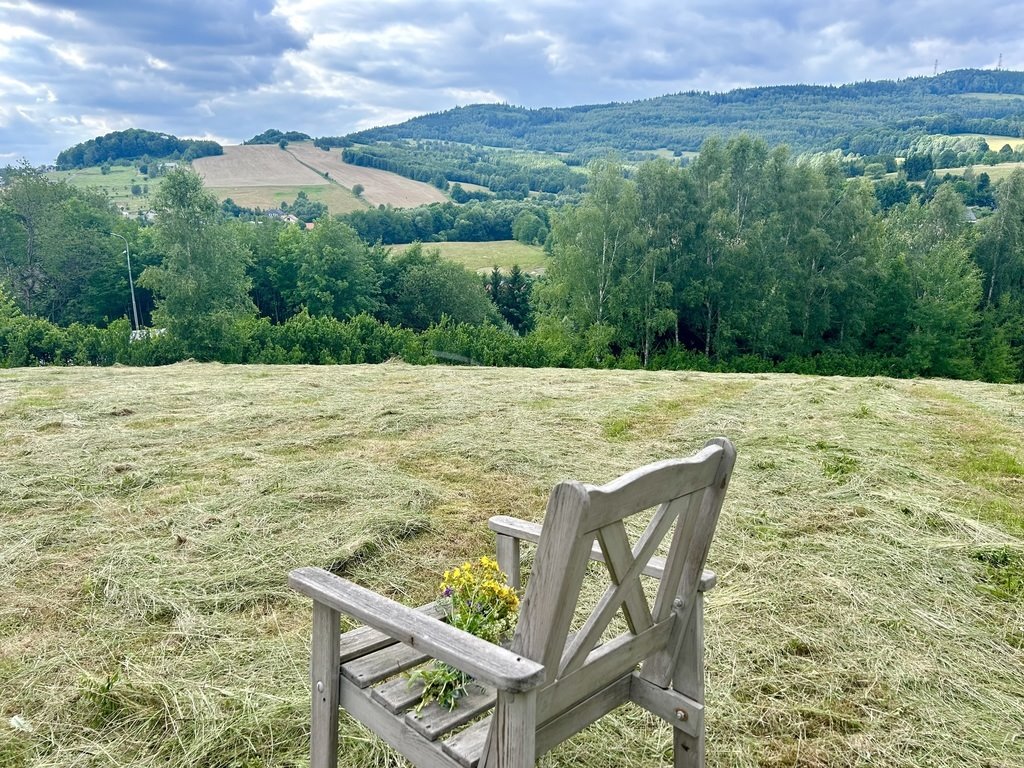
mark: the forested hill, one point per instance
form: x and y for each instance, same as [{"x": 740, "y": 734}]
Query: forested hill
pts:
[
  {"x": 134, "y": 144},
  {"x": 866, "y": 118}
]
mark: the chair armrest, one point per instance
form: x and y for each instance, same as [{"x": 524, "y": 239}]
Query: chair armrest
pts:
[
  {"x": 527, "y": 531},
  {"x": 493, "y": 664}
]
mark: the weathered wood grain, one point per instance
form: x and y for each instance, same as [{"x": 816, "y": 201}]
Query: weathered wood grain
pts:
[
  {"x": 688, "y": 679},
  {"x": 362, "y": 640},
  {"x": 603, "y": 666},
  {"x": 508, "y": 559},
  {"x": 382, "y": 664},
  {"x": 511, "y": 741},
  {"x": 394, "y": 730},
  {"x": 651, "y": 485},
  {"x": 435, "y": 721},
  {"x": 501, "y": 668},
  {"x": 524, "y": 530},
  {"x": 398, "y": 694},
  {"x": 659, "y": 669},
  {"x": 324, "y": 688},
  {"x": 674, "y": 708},
  {"x": 466, "y": 747},
  {"x": 588, "y": 711}
]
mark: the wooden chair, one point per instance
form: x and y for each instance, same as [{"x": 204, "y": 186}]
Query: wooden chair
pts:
[{"x": 551, "y": 682}]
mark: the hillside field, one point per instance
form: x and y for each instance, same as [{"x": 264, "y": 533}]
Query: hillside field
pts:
[
  {"x": 263, "y": 175},
  {"x": 995, "y": 143},
  {"x": 337, "y": 199},
  {"x": 380, "y": 187},
  {"x": 259, "y": 165},
  {"x": 117, "y": 184},
  {"x": 870, "y": 554},
  {"x": 995, "y": 172},
  {"x": 483, "y": 256}
]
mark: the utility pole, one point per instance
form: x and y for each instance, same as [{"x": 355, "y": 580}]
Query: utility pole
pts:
[
  {"x": 999, "y": 66},
  {"x": 131, "y": 282},
  {"x": 935, "y": 69}
]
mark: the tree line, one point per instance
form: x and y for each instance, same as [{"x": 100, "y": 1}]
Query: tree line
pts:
[
  {"x": 867, "y": 118},
  {"x": 507, "y": 174},
  {"x": 134, "y": 144},
  {"x": 746, "y": 254},
  {"x": 475, "y": 221},
  {"x": 745, "y": 259}
]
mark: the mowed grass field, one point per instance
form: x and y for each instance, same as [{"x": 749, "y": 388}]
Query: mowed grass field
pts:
[
  {"x": 337, "y": 199},
  {"x": 868, "y": 613},
  {"x": 995, "y": 172},
  {"x": 379, "y": 187},
  {"x": 117, "y": 184},
  {"x": 259, "y": 165},
  {"x": 995, "y": 143},
  {"x": 484, "y": 256},
  {"x": 264, "y": 175}
]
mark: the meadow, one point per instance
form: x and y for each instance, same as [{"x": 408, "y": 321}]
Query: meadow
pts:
[
  {"x": 379, "y": 187},
  {"x": 116, "y": 184},
  {"x": 259, "y": 165},
  {"x": 995, "y": 172},
  {"x": 870, "y": 554},
  {"x": 484, "y": 256},
  {"x": 264, "y": 175},
  {"x": 996, "y": 143},
  {"x": 337, "y": 199}
]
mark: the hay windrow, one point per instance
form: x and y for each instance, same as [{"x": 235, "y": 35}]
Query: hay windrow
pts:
[{"x": 870, "y": 607}]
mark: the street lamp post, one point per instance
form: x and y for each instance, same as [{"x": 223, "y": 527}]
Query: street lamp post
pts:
[{"x": 131, "y": 282}]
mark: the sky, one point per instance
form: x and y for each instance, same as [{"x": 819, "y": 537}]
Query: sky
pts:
[{"x": 227, "y": 69}]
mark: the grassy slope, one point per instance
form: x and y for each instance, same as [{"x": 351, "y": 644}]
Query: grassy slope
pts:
[
  {"x": 117, "y": 184},
  {"x": 264, "y": 176},
  {"x": 995, "y": 172},
  {"x": 337, "y": 199},
  {"x": 995, "y": 143},
  {"x": 379, "y": 187},
  {"x": 148, "y": 519},
  {"x": 484, "y": 256}
]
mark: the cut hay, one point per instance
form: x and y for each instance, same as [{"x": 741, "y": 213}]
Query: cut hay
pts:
[
  {"x": 867, "y": 613},
  {"x": 379, "y": 187},
  {"x": 256, "y": 165}
]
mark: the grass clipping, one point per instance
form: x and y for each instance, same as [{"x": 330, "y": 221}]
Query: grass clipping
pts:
[{"x": 870, "y": 555}]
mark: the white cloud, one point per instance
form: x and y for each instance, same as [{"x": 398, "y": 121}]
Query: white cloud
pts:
[
  {"x": 473, "y": 96},
  {"x": 11, "y": 32},
  {"x": 71, "y": 55},
  {"x": 12, "y": 88},
  {"x": 64, "y": 15},
  {"x": 377, "y": 117}
]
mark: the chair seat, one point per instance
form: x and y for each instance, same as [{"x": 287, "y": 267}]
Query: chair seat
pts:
[{"x": 375, "y": 667}]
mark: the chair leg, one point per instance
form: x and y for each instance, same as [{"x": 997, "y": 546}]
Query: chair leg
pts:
[
  {"x": 688, "y": 679},
  {"x": 512, "y": 740},
  {"x": 324, "y": 670},
  {"x": 687, "y": 752}
]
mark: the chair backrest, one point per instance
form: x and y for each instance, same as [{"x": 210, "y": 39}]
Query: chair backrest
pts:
[{"x": 687, "y": 496}]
